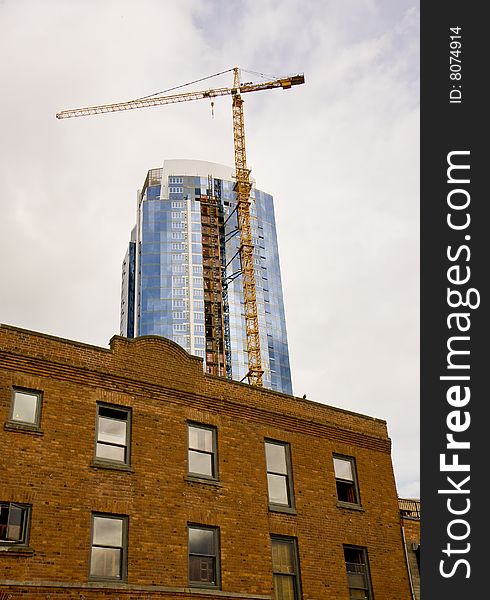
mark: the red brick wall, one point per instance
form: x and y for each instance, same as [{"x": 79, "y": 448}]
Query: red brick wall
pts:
[{"x": 165, "y": 388}]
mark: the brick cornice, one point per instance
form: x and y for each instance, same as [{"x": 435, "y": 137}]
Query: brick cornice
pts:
[{"x": 130, "y": 385}]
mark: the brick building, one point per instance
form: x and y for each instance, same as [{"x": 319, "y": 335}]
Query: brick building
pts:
[
  {"x": 128, "y": 473},
  {"x": 410, "y": 515}
]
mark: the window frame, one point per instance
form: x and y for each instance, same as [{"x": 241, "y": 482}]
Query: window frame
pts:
[
  {"x": 127, "y": 456},
  {"x": 25, "y": 527},
  {"x": 36, "y": 424},
  {"x": 213, "y": 453},
  {"x": 123, "y": 567},
  {"x": 217, "y": 556},
  {"x": 293, "y": 541},
  {"x": 290, "y": 507},
  {"x": 354, "y": 482},
  {"x": 364, "y": 553}
]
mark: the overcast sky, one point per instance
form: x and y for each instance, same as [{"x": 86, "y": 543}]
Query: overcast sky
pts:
[{"x": 339, "y": 154}]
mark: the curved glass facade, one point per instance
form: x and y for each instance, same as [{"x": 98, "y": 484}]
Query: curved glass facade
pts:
[{"x": 181, "y": 274}]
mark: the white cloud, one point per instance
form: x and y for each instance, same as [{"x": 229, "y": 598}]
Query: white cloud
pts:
[{"x": 339, "y": 154}]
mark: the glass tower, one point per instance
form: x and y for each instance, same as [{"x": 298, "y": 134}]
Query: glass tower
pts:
[{"x": 181, "y": 273}]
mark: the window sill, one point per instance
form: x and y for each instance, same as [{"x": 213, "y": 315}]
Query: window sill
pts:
[
  {"x": 17, "y": 550},
  {"x": 350, "y": 506},
  {"x": 200, "y": 587},
  {"x": 282, "y": 509},
  {"x": 111, "y": 466},
  {"x": 205, "y": 480},
  {"x": 24, "y": 427}
]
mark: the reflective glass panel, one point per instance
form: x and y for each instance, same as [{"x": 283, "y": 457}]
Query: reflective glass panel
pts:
[
  {"x": 112, "y": 431},
  {"x": 282, "y": 557},
  {"x": 105, "y": 562},
  {"x": 200, "y": 438},
  {"x": 276, "y": 458},
  {"x": 25, "y": 407},
  {"x": 15, "y": 523},
  {"x": 201, "y": 541},
  {"x": 200, "y": 463},
  {"x": 201, "y": 569},
  {"x": 278, "y": 491},
  {"x": 343, "y": 468},
  {"x": 284, "y": 588},
  {"x": 108, "y": 532},
  {"x": 116, "y": 453}
]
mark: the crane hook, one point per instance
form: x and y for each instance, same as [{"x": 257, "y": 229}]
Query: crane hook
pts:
[{"x": 212, "y": 109}]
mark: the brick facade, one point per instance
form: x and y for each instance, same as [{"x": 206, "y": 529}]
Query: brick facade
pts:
[
  {"x": 410, "y": 513},
  {"x": 52, "y": 469}
]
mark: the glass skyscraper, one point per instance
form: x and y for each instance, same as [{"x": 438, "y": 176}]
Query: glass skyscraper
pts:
[{"x": 181, "y": 273}]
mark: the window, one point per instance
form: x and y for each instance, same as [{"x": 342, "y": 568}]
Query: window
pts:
[
  {"x": 279, "y": 478},
  {"x": 345, "y": 479},
  {"x": 202, "y": 451},
  {"x": 113, "y": 433},
  {"x": 285, "y": 571},
  {"x": 358, "y": 579},
  {"x": 109, "y": 547},
  {"x": 179, "y": 315},
  {"x": 203, "y": 556},
  {"x": 26, "y": 407},
  {"x": 14, "y": 521}
]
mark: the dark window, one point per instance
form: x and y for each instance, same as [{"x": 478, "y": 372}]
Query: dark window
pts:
[
  {"x": 203, "y": 556},
  {"x": 26, "y": 407},
  {"x": 113, "y": 434},
  {"x": 358, "y": 579},
  {"x": 14, "y": 520},
  {"x": 202, "y": 451},
  {"x": 346, "y": 479},
  {"x": 109, "y": 547},
  {"x": 279, "y": 478},
  {"x": 285, "y": 568}
]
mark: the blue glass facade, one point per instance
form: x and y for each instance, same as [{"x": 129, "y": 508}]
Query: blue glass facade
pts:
[{"x": 166, "y": 289}]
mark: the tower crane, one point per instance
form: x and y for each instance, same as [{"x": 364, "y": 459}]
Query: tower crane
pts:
[{"x": 242, "y": 187}]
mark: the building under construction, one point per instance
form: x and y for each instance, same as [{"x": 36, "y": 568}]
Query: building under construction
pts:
[{"x": 182, "y": 274}]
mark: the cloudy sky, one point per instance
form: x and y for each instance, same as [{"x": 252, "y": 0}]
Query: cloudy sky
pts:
[{"x": 340, "y": 155}]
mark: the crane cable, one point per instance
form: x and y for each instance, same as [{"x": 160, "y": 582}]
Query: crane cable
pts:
[
  {"x": 181, "y": 86},
  {"x": 177, "y": 87}
]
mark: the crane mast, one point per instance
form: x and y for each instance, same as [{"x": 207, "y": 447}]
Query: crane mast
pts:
[
  {"x": 243, "y": 186},
  {"x": 242, "y": 189}
]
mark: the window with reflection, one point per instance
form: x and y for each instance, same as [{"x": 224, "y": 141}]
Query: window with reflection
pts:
[
  {"x": 285, "y": 569},
  {"x": 279, "y": 478},
  {"x": 109, "y": 547},
  {"x": 14, "y": 520},
  {"x": 26, "y": 407},
  {"x": 346, "y": 479},
  {"x": 202, "y": 454},
  {"x": 203, "y": 556},
  {"x": 113, "y": 433},
  {"x": 358, "y": 578}
]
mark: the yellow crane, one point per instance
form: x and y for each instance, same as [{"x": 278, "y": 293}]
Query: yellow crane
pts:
[{"x": 242, "y": 187}]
